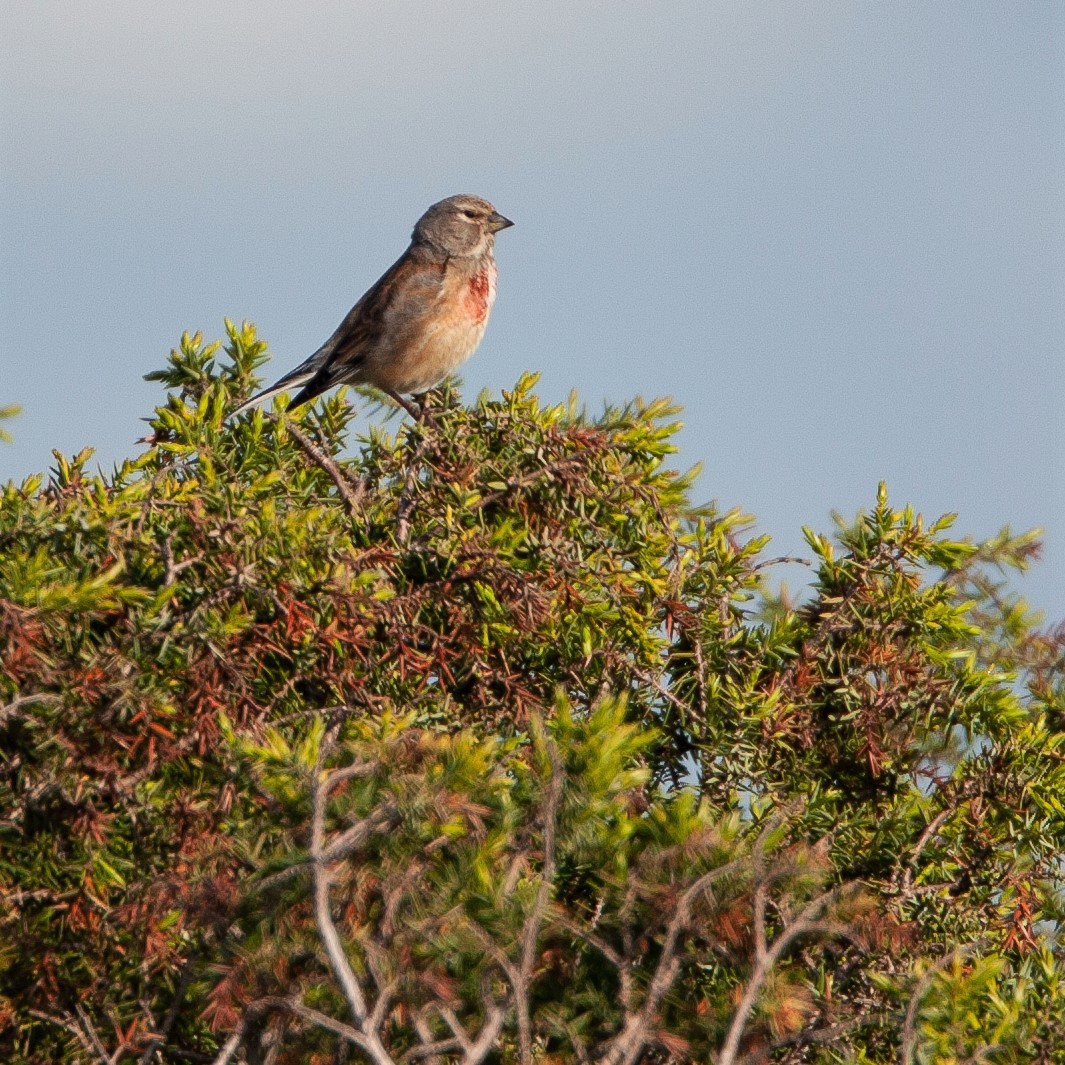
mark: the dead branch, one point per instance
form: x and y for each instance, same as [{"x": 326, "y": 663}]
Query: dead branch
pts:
[
  {"x": 932, "y": 828},
  {"x": 351, "y": 840},
  {"x": 230, "y": 1046},
  {"x": 338, "y": 959},
  {"x": 83, "y": 1030}
]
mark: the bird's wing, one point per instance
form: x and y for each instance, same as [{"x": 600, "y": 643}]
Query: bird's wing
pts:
[
  {"x": 405, "y": 291},
  {"x": 408, "y": 282}
]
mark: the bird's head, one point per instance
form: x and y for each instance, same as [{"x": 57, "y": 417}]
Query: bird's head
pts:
[{"x": 460, "y": 226}]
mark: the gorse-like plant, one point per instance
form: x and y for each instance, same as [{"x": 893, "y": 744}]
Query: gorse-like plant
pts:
[{"x": 475, "y": 740}]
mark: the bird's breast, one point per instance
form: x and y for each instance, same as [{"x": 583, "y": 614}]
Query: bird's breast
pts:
[
  {"x": 429, "y": 345},
  {"x": 481, "y": 293}
]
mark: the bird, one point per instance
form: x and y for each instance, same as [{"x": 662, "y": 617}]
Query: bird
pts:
[{"x": 421, "y": 320}]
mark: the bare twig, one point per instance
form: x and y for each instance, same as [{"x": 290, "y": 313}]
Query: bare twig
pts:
[
  {"x": 431, "y": 1050},
  {"x": 780, "y": 560},
  {"x": 932, "y": 828},
  {"x": 592, "y": 940},
  {"x": 806, "y": 923},
  {"x": 475, "y": 1050},
  {"x": 352, "y": 499},
  {"x": 82, "y": 1030},
  {"x": 430, "y": 1047},
  {"x": 338, "y": 960},
  {"x": 16, "y": 704},
  {"x": 648, "y": 679},
  {"x": 627, "y": 1046},
  {"x": 369, "y": 1039},
  {"x": 700, "y": 677},
  {"x": 493, "y": 1025},
  {"x": 343, "y": 846},
  {"x": 173, "y": 569},
  {"x": 417, "y": 413},
  {"x": 805, "y": 1037},
  {"x": 458, "y": 1029},
  {"x": 230, "y": 1046}
]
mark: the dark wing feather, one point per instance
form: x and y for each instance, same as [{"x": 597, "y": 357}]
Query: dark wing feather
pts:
[
  {"x": 368, "y": 322},
  {"x": 341, "y": 358}
]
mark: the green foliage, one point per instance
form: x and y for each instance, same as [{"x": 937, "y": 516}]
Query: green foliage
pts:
[
  {"x": 7, "y": 412},
  {"x": 579, "y": 781}
]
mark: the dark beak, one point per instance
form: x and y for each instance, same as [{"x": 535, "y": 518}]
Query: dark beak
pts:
[{"x": 497, "y": 222}]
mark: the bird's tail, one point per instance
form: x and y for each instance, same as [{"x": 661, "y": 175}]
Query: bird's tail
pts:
[
  {"x": 292, "y": 380},
  {"x": 303, "y": 375}
]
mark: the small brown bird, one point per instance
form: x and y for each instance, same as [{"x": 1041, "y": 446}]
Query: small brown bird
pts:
[{"x": 421, "y": 320}]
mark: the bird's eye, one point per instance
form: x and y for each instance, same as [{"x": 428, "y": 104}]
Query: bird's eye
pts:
[{"x": 469, "y": 214}]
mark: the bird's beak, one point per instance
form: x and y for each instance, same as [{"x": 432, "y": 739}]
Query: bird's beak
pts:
[{"x": 497, "y": 222}]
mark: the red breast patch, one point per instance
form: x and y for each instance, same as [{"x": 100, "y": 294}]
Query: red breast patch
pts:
[{"x": 476, "y": 301}]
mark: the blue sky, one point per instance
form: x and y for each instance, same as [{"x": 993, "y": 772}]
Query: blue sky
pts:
[{"x": 833, "y": 231}]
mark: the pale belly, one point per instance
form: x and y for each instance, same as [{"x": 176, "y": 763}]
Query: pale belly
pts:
[
  {"x": 426, "y": 352},
  {"x": 441, "y": 351}
]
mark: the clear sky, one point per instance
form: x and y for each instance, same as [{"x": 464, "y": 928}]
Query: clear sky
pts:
[{"x": 834, "y": 231}]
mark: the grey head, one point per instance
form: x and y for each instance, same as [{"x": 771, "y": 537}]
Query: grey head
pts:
[{"x": 460, "y": 227}]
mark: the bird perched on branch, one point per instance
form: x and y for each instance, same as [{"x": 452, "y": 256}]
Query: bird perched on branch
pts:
[{"x": 421, "y": 320}]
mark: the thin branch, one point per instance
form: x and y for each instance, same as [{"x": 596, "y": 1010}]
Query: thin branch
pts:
[
  {"x": 805, "y": 923},
  {"x": 91, "y": 1046},
  {"x": 458, "y": 1029},
  {"x": 173, "y": 569},
  {"x": 230, "y": 1047},
  {"x": 16, "y": 704},
  {"x": 330, "y": 1024},
  {"x": 648, "y": 679},
  {"x": 429, "y": 1050},
  {"x": 352, "y": 839},
  {"x": 417, "y": 413},
  {"x": 386, "y": 988},
  {"x": 338, "y": 960},
  {"x": 369, "y": 1040},
  {"x": 760, "y": 892},
  {"x": 780, "y": 560},
  {"x": 805, "y": 1037},
  {"x": 626, "y": 1047},
  {"x": 932, "y": 828},
  {"x": 352, "y": 499},
  {"x": 490, "y": 1030},
  {"x": 475, "y": 1050},
  {"x": 592, "y": 940},
  {"x": 90, "y": 1030},
  {"x": 700, "y": 678},
  {"x": 430, "y": 1046}
]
